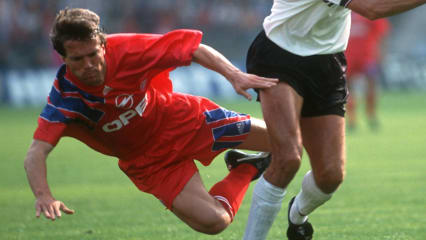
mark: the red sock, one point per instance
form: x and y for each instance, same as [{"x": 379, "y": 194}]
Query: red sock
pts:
[{"x": 231, "y": 190}]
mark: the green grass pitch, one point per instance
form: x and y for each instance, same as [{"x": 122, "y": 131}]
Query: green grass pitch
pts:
[{"x": 383, "y": 196}]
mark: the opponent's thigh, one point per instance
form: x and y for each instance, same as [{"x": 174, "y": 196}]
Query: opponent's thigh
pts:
[{"x": 281, "y": 107}]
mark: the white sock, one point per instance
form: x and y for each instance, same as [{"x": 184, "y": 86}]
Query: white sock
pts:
[
  {"x": 265, "y": 205},
  {"x": 309, "y": 198}
]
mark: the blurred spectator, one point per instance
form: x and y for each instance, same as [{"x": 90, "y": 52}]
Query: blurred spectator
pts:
[
  {"x": 364, "y": 55},
  {"x": 25, "y": 24}
]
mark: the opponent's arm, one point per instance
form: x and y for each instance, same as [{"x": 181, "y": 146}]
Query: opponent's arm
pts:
[
  {"x": 213, "y": 60},
  {"x": 35, "y": 167},
  {"x": 374, "y": 9}
]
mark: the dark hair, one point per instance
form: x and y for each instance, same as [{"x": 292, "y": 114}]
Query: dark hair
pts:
[{"x": 75, "y": 24}]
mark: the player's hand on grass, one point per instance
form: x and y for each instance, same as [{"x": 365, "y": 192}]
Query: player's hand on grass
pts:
[
  {"x": 244, "y": 81},
  {"x": 51, "y": 208}
]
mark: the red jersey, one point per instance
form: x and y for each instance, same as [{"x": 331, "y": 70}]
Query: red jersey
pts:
[
  {"x": 119, "y": 117},
  {"x": 365, "y": 37}
]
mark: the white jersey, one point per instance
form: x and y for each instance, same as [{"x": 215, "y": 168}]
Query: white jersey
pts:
[{"x": 308, "y": 27}]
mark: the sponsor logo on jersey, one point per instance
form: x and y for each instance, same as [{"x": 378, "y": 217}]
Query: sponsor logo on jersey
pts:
[
  {"x": 124, "y": 118},
  {"x": 124, "y": 101}
]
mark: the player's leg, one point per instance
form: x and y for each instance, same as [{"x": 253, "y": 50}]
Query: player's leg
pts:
[
  {"x": 258, "y": 138},
  {"x": 281, "y": 110},
  {"x": 323, "y": 132},
  {"x": 324, "y": 141},
  {"x": 281, "y": 107},
  {"x": 211, "y": 212},
  {"x": 197, "y": 208}
]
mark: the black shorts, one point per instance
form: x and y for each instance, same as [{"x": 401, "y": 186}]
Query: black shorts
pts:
[{"x": 319, "y": 79}]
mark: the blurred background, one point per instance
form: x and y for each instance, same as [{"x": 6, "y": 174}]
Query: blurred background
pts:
[
  {"x": 383, "y": 196},
  {"x": 28, "y": 62}
]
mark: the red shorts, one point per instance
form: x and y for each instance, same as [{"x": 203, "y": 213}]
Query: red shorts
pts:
[{"x": 194, "y": 128}]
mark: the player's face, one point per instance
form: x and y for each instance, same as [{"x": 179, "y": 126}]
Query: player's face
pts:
[{"x": 86, "y": 60}]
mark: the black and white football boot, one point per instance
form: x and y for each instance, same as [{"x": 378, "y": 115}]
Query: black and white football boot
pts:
[{"x": 260, "y": 160}]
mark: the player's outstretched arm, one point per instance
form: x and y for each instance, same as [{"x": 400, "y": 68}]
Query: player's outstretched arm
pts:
[
  {"x": 374, "y": 9},
  {"x": 35, "y": 167},
  {"x": 213, "y": 60}
]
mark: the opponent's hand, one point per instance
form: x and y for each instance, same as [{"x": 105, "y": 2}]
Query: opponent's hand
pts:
[
  {"x": 243, "y": 81},
  {"x": 51, "y": 208}
]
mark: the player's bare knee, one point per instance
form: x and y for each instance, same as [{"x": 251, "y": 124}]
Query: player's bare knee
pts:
[
  {"x": 215, "y": 226},
  {"x": 286, "y": 163}
]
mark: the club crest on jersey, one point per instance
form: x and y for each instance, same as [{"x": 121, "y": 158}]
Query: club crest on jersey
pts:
[{"x": 124, "y": 101}]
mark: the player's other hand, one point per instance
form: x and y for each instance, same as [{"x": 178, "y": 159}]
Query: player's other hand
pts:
[
  {"x": 51, "y": 208},
  {"x": 244, "y": 81}
]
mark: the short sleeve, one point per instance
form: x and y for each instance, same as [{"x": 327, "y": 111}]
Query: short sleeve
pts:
[
  {"x": 143, "y": 52},
  {"x": 50, "y": 132}
]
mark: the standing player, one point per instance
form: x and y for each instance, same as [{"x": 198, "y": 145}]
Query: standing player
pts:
[
  {"x": 363, "y": 54},
  {"x": 114, "y": 94},
  {"x": 302, "y": 44}
]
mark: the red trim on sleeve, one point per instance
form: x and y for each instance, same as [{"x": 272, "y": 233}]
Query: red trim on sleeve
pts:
[{"x": 49, "y": 132}]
